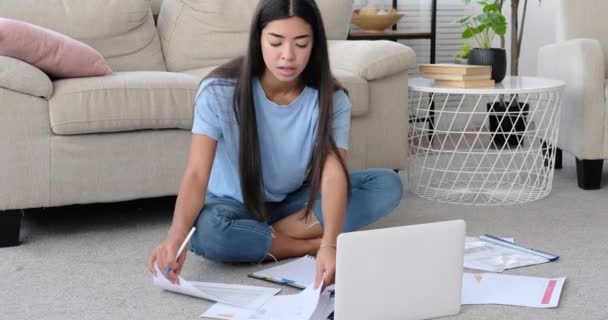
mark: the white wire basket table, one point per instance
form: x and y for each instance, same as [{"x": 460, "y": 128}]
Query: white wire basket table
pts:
[{"x": 484, "y": 146}]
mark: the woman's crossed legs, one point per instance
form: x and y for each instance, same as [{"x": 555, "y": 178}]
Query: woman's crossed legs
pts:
[{"x": 226, "y": 231}]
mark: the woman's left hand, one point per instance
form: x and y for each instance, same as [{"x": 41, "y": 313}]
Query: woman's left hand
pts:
[{"x": 326, "y": 266}]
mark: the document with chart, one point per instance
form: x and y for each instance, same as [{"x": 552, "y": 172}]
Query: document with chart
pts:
[{"x": 491, "y": 288}]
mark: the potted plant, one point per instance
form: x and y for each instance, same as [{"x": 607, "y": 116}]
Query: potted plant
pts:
[
  {"x": 506, "y": 120},
  {"x": 463, "y": 56},
  {"x": 483, "y": 28}
]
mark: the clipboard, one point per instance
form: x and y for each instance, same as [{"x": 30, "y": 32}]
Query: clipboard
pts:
[
  {"x": 297, "y": 273},
  {"x": 283, "y": 281},
  {"x": 502, "y": 242}
]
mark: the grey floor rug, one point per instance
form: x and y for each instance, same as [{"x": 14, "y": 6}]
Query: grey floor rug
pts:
[{"x": 88, "y": 262}]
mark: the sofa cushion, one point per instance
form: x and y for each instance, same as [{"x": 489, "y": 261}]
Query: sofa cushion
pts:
[
  {"x": 372, "y": 59},
  {"x": 52, "y": 52},
  {"x": 156, "y": 4},
  {"x": 122, "y": 31},
  {"x": 23, "y": 77},
  {"x": 123, "y": 101},
  {"x": 336, "y": 16},
  {"x": 199, "y": 72},
  {"x": 203, "y": 33},
  {"x": 358, "y": 91}
]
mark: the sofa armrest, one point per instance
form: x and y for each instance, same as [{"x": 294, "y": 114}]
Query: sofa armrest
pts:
[
  {"x": 371, "y": 59},
  {"x": 22, "y": 77},
  {"x": 579, "y": 63}
]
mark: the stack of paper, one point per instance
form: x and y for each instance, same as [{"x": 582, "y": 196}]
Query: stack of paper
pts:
[{"x": 240, "y": 302}]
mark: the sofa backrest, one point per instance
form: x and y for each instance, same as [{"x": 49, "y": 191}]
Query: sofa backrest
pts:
[
  {"x": 204, "y": 33},
  {"x": 584, "y": 19},
  {"x": 156, "y": 6},
  {"x": 121, "y": 30}
]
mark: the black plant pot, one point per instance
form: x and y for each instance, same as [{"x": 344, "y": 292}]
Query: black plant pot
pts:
[
  {"x": 507, "y": 124},
  {"x": 495, "y": 57}
]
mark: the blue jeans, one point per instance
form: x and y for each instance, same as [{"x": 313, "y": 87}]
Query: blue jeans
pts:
[{"x": 226, "y": 232}]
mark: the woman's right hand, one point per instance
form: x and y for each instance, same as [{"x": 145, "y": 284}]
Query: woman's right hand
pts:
[{"x": 164, "y": 256}]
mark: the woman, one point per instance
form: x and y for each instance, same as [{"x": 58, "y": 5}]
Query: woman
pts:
[{"x": 266, "y": 176}]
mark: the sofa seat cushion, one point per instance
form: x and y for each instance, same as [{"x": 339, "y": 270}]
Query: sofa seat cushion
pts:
[
  {"x": 124, "y": 101},
  {"x": 200, "y": 73},
  {"x": 358, "y": 90}
]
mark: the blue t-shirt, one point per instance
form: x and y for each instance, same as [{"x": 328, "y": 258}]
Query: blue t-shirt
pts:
[{"x": 287, "y": 134}]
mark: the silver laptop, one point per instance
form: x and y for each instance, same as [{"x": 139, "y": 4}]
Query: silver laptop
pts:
[{"x": 410, "y": 272}]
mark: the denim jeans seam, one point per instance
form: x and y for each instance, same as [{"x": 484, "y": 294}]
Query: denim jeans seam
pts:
[{"x": 242, "y": 227}]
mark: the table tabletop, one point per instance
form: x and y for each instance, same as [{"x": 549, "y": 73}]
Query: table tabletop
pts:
[{"x": 510, "y": 85}]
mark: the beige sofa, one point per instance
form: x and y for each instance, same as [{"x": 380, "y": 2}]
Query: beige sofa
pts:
[
  {"x": 126, "y": 136},
  {"x": 579, "y": 58}
]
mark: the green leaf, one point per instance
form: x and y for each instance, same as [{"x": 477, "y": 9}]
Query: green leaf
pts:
[
  {"x": 494, "y": 7},
  {"x": 483, "y": 27},
  {"x": 468, "y": 33},
  {"x": 465, "y": 51},
  {"x": 499, "y": 25},
  {"x": 464, "y": 20}
]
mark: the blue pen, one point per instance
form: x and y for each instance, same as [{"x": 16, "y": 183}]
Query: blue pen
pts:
[
  {"x": 181, "y": 248},
  {"x": 287, "y": 281},
  {"x": 280, "y": 280}
]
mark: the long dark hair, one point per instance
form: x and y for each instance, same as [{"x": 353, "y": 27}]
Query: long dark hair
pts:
[{"x": 317, "y": 74}]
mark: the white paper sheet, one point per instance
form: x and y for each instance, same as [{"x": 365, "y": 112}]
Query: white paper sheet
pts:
[
  {"x": 248, "y": 297},
  {"x": 306, "y": 305},
  {"x": 226, "y": 312},
  {"x": 296, "y": 307},
  {"x": 490, "y": 288},
  {"x": 325, "y": 306}
]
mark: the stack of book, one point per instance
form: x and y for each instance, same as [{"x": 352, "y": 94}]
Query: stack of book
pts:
[{"x": 458, "y": 75}]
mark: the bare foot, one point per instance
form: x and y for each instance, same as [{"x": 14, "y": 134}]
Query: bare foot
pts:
[
  {"x": 284, "y": 246},
  {"x": 315, "y": 243}
]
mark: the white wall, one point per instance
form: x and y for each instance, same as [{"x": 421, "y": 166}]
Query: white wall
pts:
[{"x": 540, "y": 30}]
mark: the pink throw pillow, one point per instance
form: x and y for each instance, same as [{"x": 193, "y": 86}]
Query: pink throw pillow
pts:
[{"x": 52, "y": 52}]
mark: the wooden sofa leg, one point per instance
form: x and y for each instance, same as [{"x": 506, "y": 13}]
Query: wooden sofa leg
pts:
[
  {"x": 10, "y": 225},
  {"x": 589, "y": 173}
]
